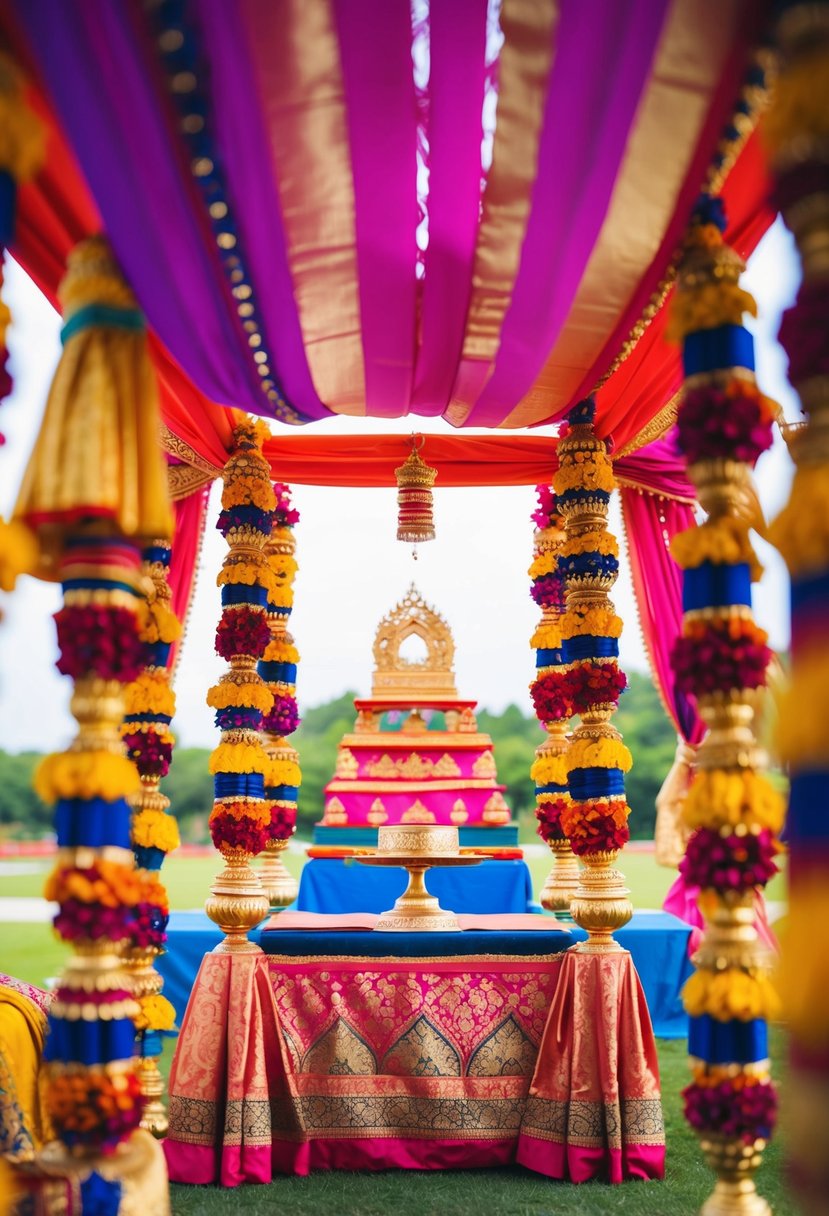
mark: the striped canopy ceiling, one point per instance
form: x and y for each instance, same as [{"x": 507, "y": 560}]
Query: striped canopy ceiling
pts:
[{"x": 452, "y": 208}]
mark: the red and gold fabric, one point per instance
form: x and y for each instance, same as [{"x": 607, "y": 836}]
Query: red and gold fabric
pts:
[{"x": 288, "y": 1064}]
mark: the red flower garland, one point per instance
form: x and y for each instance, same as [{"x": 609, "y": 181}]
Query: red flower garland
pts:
[
  {"x": 237, "y": 832},
  {"x": 283, "y": 822},
  {"x": 242, "y": 631},
  {"x": 731, "y": 423},
  {"x": 548, "y": 814},
  {"x": 729, "y": 863},
  {"x": 593, "y": 683},
  {"x": 718, "y": 655},
  {"x": 98, "y": 640},
  {"x": 552, "y": 697},
  {"x": 151, "y": 752}
]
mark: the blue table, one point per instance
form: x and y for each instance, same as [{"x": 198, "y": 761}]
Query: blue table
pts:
[
  {"x": 657, "y": 942},
  {"x": 343, "y": 885}
]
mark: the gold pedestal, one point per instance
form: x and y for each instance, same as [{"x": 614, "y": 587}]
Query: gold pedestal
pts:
[
  {"x": 416, "y": 911},
  {"x": 154, "y": 1119},
  {"x": 601, "y": 903},
  {"x": 734, "y": 1164},
  {"x": 279, "y": 885},
  {"x": 562, "y": 882},
  {"x": 237, "y": 903}
]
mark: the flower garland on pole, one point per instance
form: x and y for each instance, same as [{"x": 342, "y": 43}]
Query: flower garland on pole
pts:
[
  {"x": 595, "y": 814},
  {"x": 278, "y": 670},
  {"x": 95, "y": 488},
  {"x": 797, "y": 134},
  {"x": 549, "y": 769},
  {"x": 241, "y": 815},
  {"x": 721, "y": 658},
  {"x": 150, "y": 706}
]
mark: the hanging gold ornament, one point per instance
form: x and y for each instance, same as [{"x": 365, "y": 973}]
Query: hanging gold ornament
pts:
[{"x": 415, "y": 480}]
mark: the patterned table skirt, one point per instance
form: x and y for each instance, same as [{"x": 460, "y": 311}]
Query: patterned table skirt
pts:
[{"x": 289, "y": 1064}]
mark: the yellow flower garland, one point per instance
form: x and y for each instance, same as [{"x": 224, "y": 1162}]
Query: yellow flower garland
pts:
[
  {"x": 155, "y": 830},
  {"x": 589, "y": 474},
  {"x": 281, "y": 596},
  {"x": 546, "y": 637},
  {"x": 545, "y": 563},
  {"x": 595, "y": 622},
  {"x": 801, "y": 101},
  {"x": 728, "y": 797},
  {"x": 598, "y": 753},
  {"x": 283, "y": 772},
  {"x": 803, "y": 977},
  {"x": 93, "y": 774},
  {"x": 156, "y": 1013},
  {"x": 708, "y": 307},
  {"x": 157, "y": 623},
  {"x": 801, "y": 530},
  {"x": 243, "y": 696},
  {"x": 803, "y": 720},
  {"x": 150, "y": 694},
  {"x": 724, "y": 542},
  {"x": 549, "y": 770},
  {"x": 238, "y": 758},
  {"x": 725, "y": 995},
  {"x": 279, "y": 651},
  {"x": 591, "y": 542}
]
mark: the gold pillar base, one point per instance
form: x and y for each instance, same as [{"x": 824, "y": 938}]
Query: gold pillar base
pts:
[
  {"x": 734, "y": 1163},
  {"x": 237, "y": 903},
  {"x": 154, "y": 1118},
  {"x": 562, "y": 881},
  {"x": 601, "y": 904},
  {"x": 416, "y": 911},
  {"x": 279, "y": 885},
  {"x": 138, "y": 1163}
]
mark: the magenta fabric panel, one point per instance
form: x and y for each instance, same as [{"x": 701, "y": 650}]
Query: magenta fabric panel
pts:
[
  {"x": 376, "y": 55},
  {"x": 456, "y": 93},
  {"x": 657, "y": 584},
  {"x": 94, "y": 58},
  {"x": 603, "y": 55},
  {"x": 659, "y": 467},
  {"x": 238, "y": 126},
  {"x": 572, "y": 1163}
]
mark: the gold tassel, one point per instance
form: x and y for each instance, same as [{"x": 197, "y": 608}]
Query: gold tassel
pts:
[{"x": 97, "y": 457}]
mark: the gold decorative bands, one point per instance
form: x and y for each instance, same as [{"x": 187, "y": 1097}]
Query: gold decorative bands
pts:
[
  {"x": 658, "y": 426},
  {"x": 434, "y": 740},
  {"x": 194, "y": 471}
]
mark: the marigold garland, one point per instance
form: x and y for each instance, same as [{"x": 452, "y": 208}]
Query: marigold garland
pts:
[
  {"x": 248, "y": 695},
  {"x": 801, "y": 530},
  {"x": 591, "y": 622},
  {"x": 238, "y": 758},
  {"x": 155, "y": 830},
  {"x": 598, "y": 753},
  {"x": 731, "y": 994},
  {"x": 729, "y": 797},
  {"x": 724, "y": 542},
  {"x": 85, "y": 775},
  {"x": 156, "y": 1013},
  {"x": 596, "y": 826},
  {"x": 150, "y": 693},
  {"x": 590, "y": 542},
  {"x": 547, "y": 636},
  {"x": 586, "y": 474},
  {"x": 93, "y": 1108},
  {"x": 158, "y": 623},
  {"x": 549, "y": 769},
  {"x": 280, "y": 651}
]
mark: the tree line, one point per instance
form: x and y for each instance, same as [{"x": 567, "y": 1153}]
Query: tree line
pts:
[{"x": 189, "y": 786}]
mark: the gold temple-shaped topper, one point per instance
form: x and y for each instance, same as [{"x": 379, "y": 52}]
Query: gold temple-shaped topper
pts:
[{"x": 399, "y": 680}]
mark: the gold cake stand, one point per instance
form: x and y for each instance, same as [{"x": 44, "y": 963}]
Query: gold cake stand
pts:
[{"x": 416, "y": 911}]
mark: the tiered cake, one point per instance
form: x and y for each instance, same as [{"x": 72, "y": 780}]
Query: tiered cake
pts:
[{"x": 396, "y": 767}]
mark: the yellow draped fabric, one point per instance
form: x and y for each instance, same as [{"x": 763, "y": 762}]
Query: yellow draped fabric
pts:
[
  {"x": 24, "y": 1126},
  {"x": 98, "y": 455}
]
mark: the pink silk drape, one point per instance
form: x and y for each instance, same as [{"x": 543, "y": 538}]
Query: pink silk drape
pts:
[
  {"x": 651, "y": 522},
  {"x": 190, "y": 520}
]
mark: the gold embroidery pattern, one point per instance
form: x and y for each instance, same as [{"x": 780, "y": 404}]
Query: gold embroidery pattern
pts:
[
  {"x": 484, "y": 766},
  {"x": 595, "y": 1124},
  {"x": 422, "y": 1052},
  {"x": 508, "y": 1052},
  {"x": 385, "y": 768},
  {"x": 417, "y": 813},
  {"x": 340, "y": 1052},
  {"x": 347, "y": 765},
  {"x": 446, "y": 767}
]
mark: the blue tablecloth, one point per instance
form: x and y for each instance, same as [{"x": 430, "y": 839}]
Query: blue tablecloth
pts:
[
  {"x": 657, "y": 941},
  {"x": 336, "y": 886}
]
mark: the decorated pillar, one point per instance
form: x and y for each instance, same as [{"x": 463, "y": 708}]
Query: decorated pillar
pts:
[
  {"x": 721, "y": 658},
  {"x": 798, "y": 138},
  {"x": 240, "y": 819},
  {"x": 595, "y": 814},
  {"x": 150, "y": 706},
  {"x": 278, "y": 670},
  {"x": 552, "y": 705},
  {"x": 94, "y": 490}
]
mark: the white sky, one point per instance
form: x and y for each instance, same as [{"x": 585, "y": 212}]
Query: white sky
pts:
[{"x": 352, "y": 569}]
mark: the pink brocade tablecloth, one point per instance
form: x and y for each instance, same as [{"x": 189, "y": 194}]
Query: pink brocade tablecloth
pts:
[{"x": 289, "y": 1064}]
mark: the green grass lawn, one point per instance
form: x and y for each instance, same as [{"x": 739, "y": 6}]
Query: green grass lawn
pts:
[{"x": 501, "y": 1192}]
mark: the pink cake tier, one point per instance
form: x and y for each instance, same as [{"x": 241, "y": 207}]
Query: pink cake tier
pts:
[{"x": 418, "y": 777}]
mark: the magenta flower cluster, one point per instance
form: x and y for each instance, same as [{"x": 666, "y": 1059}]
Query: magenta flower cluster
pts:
[
  {"x": 739, "y": 1108},
  {"x": 729, "y": 863},
  {"x": 283, "y": 718},
  {"x": 99, "y": 640},
  {"x": 731, "y": 423}
]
